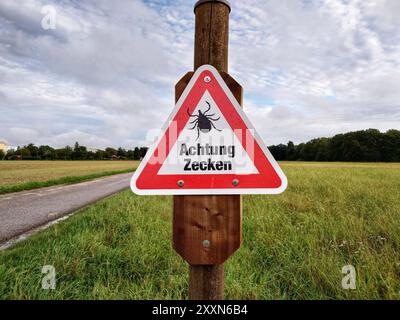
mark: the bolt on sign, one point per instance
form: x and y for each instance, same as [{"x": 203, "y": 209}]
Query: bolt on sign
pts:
[{"x": 208, "y": 146}]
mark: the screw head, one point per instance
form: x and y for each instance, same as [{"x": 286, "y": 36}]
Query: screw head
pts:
[
  {"x": 206, "y": 243},
  {"x": 207, "y": 79},
  {"x": 235, "y": 182},
  {"x": 181, "y": 183}
]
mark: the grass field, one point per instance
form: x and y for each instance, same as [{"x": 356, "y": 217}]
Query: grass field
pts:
[
  {"x": 24, "y": 175},
  {"x": 295, "y": 244}
]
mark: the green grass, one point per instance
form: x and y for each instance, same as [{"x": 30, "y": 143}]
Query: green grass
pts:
[
  {"x": 295, "y": 244},
  {"x": 54, "y": 182},
  {"x": 25, "y": 175},
  {"x": 19, "y": 172}
]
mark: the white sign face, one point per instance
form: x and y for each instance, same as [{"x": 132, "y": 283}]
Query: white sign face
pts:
[{"x": 208, "y": 146}]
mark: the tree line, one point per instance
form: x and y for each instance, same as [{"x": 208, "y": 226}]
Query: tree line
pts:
[
  {"x": 367, "y": 145},
  {"x": 78, "y": 152},
  {"x": 360, "y": 146}
]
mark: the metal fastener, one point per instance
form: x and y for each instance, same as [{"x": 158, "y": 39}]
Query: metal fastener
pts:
[
  {"x": 181, "y": 183},
  {"x": 207, "y": 79},
  {"x": 235, "y": 182},
  {"x": 206, "y": 243}
]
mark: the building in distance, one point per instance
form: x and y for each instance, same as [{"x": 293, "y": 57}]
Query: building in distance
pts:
[{"x": 3, "y": 146}]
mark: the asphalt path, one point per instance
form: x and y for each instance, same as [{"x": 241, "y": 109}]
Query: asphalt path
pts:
[{"x": 24, "y": 211}]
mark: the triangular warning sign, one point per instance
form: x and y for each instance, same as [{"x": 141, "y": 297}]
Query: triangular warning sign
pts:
[{"x": 208, "y": 146}]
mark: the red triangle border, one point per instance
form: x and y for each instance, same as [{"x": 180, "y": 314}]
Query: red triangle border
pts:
[{"x": 269, "y": 180}]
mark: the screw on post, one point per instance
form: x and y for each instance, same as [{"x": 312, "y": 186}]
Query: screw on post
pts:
[{"x": 206, "y": 243}]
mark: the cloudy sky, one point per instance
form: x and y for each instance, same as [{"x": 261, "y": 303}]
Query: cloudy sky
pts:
[{"x": 105, "y": 76}]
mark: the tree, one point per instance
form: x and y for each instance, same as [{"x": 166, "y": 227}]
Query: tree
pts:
[
  {"x": 291, "y": 152},
  {"x": 10, "y": 154},
  {"x": 100, "y": 155},
  {"x": 90, "y": 155},
  {"x": 370, "y": 142},
  {"x": 131, "y": 155},
  {"x": 110, "y": 152},
  {"x": 365, "y": 145},
  {"x": 46, "y": 153},
  {"x": 279, "y": 151},
  {"x": 335, "y": 148},
  {"x": 64, "y": 153},
  {"x": 136, "y": 154},
  {"x": 68, "y": 153},
  {"x": 121, "y": 153},
  {"x": 320, "y": 149},
  {"x": 352, "y": 150},
  {"x": 75, "y": 152},
  {"x": 24, "y": 153},
  {"x": 390, "y": 146},
  {"x": 143, "y": 151},
  {"x": 79, "y": 153},
  {"x": 2, "y": 155},
  {"x": 314, "y": 150},
  {"x": 34, "y": 151}
]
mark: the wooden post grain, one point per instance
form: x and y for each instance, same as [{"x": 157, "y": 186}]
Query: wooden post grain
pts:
[
  {"x": 208, "y": 229},
  {"x": 211, "y": 34}
]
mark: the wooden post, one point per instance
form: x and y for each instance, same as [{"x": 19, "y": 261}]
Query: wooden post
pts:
[
  {"x": 207, "y": 230},
  {"x": 211, "y": 34}
]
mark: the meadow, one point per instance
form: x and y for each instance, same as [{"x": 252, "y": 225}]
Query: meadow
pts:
[
  {"x": 24, "y": 175},
  {"x": 295, "y": 244}
]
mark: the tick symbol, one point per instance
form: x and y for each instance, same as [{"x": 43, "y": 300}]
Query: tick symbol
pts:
[{"x": 203, "y": 122}]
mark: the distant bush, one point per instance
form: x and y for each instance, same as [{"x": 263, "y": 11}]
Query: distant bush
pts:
[
  {"x": 32, "y": 152},
  {"x": 367, "y": 146}
]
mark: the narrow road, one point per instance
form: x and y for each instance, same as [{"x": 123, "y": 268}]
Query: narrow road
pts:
[{"x": 24, "y": 211}]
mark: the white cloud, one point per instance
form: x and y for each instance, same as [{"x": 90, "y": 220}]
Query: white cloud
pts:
[{"x": 106, "y": 75}]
